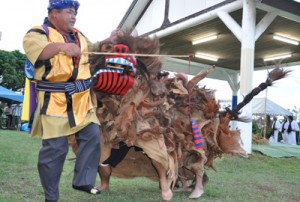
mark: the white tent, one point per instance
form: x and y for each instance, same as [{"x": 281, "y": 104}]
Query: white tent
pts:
[{"x": 264, "y": 106}]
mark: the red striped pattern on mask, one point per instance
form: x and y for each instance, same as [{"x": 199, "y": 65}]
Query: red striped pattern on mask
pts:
[{"x": 113, "y": 82}]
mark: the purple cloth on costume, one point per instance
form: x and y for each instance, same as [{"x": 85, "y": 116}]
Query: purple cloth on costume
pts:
[{"x": 32, "y": 101}]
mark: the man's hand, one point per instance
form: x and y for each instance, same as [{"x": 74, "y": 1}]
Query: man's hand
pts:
[
  {"x": 70, "y": 49},
  {"x": 53, "y": 49},
  {"x": 105, "y": 45},
  {"x": 116, "y": 36}
]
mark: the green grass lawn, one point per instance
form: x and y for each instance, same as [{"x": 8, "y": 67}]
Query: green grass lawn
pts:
[{"x": 257, "y": 178}]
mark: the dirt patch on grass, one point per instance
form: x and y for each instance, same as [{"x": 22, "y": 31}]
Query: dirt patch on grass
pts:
[
  {"x": 259, "y": 187},
  {"x": 264, "y": 188}
]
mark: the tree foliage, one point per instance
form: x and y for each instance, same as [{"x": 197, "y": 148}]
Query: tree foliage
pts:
[
  {"x": 12, "y": 69},
  {"x": 296, "y": 112}
]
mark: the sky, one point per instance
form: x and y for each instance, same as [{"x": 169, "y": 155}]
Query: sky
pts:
[
  {"x": 284, "y": 92},
  {"x": 97, "y": 18}
]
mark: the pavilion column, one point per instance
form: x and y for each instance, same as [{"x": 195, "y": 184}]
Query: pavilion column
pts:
[
  {"x": 232, "y": 77},
  {"x": 247, "y": 68},
  {"x": 235, "y": 89}
]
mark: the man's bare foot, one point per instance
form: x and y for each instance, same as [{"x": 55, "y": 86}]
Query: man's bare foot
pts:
[
  {"x": 167, "y": 196},
  {"x": 196, "y": 193},
  {"x": 104, "y": 173},
  {"x": 198, "y": 188},
  {"x": 102, "y": 187}
]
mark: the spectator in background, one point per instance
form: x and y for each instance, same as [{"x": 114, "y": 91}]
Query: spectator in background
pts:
[
  {"x": 2, "y": 116},
  {"x": 16, "y": 116},
  {"x": 284, "y": 128},
  {"x": 292, "y": 128},
  {"x": 8, "y": 113},
  {"x": 1, "y": 110},
  {"x": 276, "y": 126}
]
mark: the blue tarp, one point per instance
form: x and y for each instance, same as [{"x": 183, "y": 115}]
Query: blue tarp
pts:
[{"x": 10, "y": 96}]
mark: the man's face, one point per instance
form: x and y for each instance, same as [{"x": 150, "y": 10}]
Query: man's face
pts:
[{"x": 65, "y": 19}]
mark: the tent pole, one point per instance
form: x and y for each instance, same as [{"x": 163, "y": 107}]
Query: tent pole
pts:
[{"x": 265, "y": 128}]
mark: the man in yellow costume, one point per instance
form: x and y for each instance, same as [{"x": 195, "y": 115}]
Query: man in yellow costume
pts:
[{"x": 64, "y": 102}]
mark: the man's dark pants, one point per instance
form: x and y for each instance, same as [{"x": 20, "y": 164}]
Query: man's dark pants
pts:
[{"x": 53, "y": 154}]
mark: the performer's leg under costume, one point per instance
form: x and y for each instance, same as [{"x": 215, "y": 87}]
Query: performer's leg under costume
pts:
[{"x": 117, "y": 155}]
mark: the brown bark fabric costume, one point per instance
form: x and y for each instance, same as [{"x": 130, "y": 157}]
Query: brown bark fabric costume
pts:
[{"x": 155, "y": 115}]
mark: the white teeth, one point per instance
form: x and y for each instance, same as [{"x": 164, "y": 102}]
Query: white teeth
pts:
[{"x": 121, "y": 61}]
